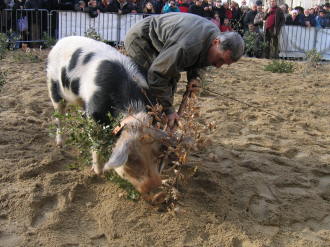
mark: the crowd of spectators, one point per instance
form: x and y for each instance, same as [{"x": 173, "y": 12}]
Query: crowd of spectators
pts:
[
  {"x": 228, "y": 15},
  {"x": 249, "y": 21}
]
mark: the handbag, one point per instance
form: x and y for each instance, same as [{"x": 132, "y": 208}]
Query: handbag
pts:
[{"x": 22, "y": 24}]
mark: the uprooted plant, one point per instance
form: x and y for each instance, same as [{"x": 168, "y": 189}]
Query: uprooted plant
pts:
[{"x": 85, "y": 134}]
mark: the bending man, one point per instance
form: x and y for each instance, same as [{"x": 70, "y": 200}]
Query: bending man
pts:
[{"x": 167, "y": 44}]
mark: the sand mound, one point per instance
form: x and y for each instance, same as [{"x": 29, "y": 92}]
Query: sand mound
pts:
[{"x": 264, "y": 180}]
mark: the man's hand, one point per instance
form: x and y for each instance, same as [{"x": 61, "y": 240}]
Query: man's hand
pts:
[
  {"x": 194, "y": 86},
  {"x": 172, "y": 119}
]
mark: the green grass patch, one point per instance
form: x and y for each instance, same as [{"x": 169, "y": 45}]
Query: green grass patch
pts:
[
  {"x": 280, "y": 66},
  {"x": 26, "y": 57}
]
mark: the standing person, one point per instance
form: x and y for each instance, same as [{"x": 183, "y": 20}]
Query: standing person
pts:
[
  {"x": 321, "y": 20},
  {"x": 228, "y": 12},
  {"x": 226, "y": 26},
  {"x": 93, "y": 8},
  {"x": 309, "y": 20},
  {"x": 216, "y": 20},
  {"x": 183, "y": 6},
  {"x": 294, "y": 19},
  {"x": 274, "y": 21},
  {"x": 285, "y": 9},
  {"x": 149, "y": 9},
  {"x": 208, "y": 11},
  {"x": 2, "y": 5},
  {"x": 120, "y": 7},
  {"x": 237, "y": 16},
  {"x": 170, "y": 7},
  {"x": 219, "y": 10},
  {"x": 104, "y": 6},
  {"x": 163, "y": 50},
  {"x": 259, "y": 19},
  {"x": 249, "y": 17},
  {"x": 134, "y": 6},
  {"x": 196, "y": 8}
]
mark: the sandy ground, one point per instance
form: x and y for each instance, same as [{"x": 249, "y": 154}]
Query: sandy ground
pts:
[{"x": 264, "y": 181}]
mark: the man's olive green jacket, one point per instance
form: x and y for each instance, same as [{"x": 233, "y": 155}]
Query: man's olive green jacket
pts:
[{"x": 167, "y": 44}]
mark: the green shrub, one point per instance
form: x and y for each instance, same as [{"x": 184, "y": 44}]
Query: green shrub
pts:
[
  {"x": 48, "y": 41},
  {"x": 313, "y": 58},
  {"x": 26, "y": 57},
  {"x": 85, "y": 134},
  {"x": 3, "y": 45},
  {"x": 91, "y": 33},
  {"x": 12, "y": 38},
  {"x": 254, "y": 44},
  {"x": 280, "y": 66},
  {"x": 8, "y": 42}
]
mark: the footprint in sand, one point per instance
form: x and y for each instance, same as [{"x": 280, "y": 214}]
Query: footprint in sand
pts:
[{"x": 43, "y": 209}]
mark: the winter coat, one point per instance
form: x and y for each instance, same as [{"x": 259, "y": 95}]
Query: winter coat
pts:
[
  {"x": 197, "y": 10},
  {"x": 172, "y": 48}
]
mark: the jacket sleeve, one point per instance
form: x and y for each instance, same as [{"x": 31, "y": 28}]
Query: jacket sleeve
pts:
[{"x": 164, "y": 69}]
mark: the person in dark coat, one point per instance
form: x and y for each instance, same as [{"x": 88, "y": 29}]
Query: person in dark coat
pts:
[
  {"x": 163, "y": 50},
  {"x": 219, "y": 10},
  {"x": 2, "y": 5},
  {"x": 157, "y": 4},
  {"x": 196, "y": 8},
  {"x": 294, "y": 20},
  {"x": 249, "y": 17},
  {"x": 106, "y": 7},
  {"x": 274, "y": 21},
  {"x": 208, "y": 9},
  {"x": 309, "y": 20},
  {"x": 120, "y": 7}
]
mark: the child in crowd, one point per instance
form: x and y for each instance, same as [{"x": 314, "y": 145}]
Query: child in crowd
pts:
[
  {"x": 226, "y": 27},
  {"x": 216, "y": 20},
  {"x": 170, "y": 7},
  {"x": 149, "y": 8}
]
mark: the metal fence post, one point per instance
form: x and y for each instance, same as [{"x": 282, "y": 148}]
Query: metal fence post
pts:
[{"x": 118, "y": 29}]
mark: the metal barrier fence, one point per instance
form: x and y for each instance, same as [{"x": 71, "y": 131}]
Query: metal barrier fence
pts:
[
  {"x": 35, "y": 26},
  {"x": 27, "y": 25},
  {"x": 294, "y": 41}
]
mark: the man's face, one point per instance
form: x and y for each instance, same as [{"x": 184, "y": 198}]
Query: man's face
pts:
[
  {"x": 93, "y": 3},
  {"x": 251, "y": 27},
  {"x": 198, "y": 3},
  {"x": 259, "y": 8},
  {"x": 149, "y": 5},
  {"x": 254, "y": 7},
  {"x": 273, "y": 3},
  {"x": 217, "y": 4},
  {"x": 217, "y": 57}
]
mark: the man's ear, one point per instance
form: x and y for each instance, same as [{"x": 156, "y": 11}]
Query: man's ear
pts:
[{"x": 216, "y": 42}]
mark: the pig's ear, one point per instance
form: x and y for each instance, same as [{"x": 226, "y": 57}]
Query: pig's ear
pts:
[{"x": 119, "y": 154}]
